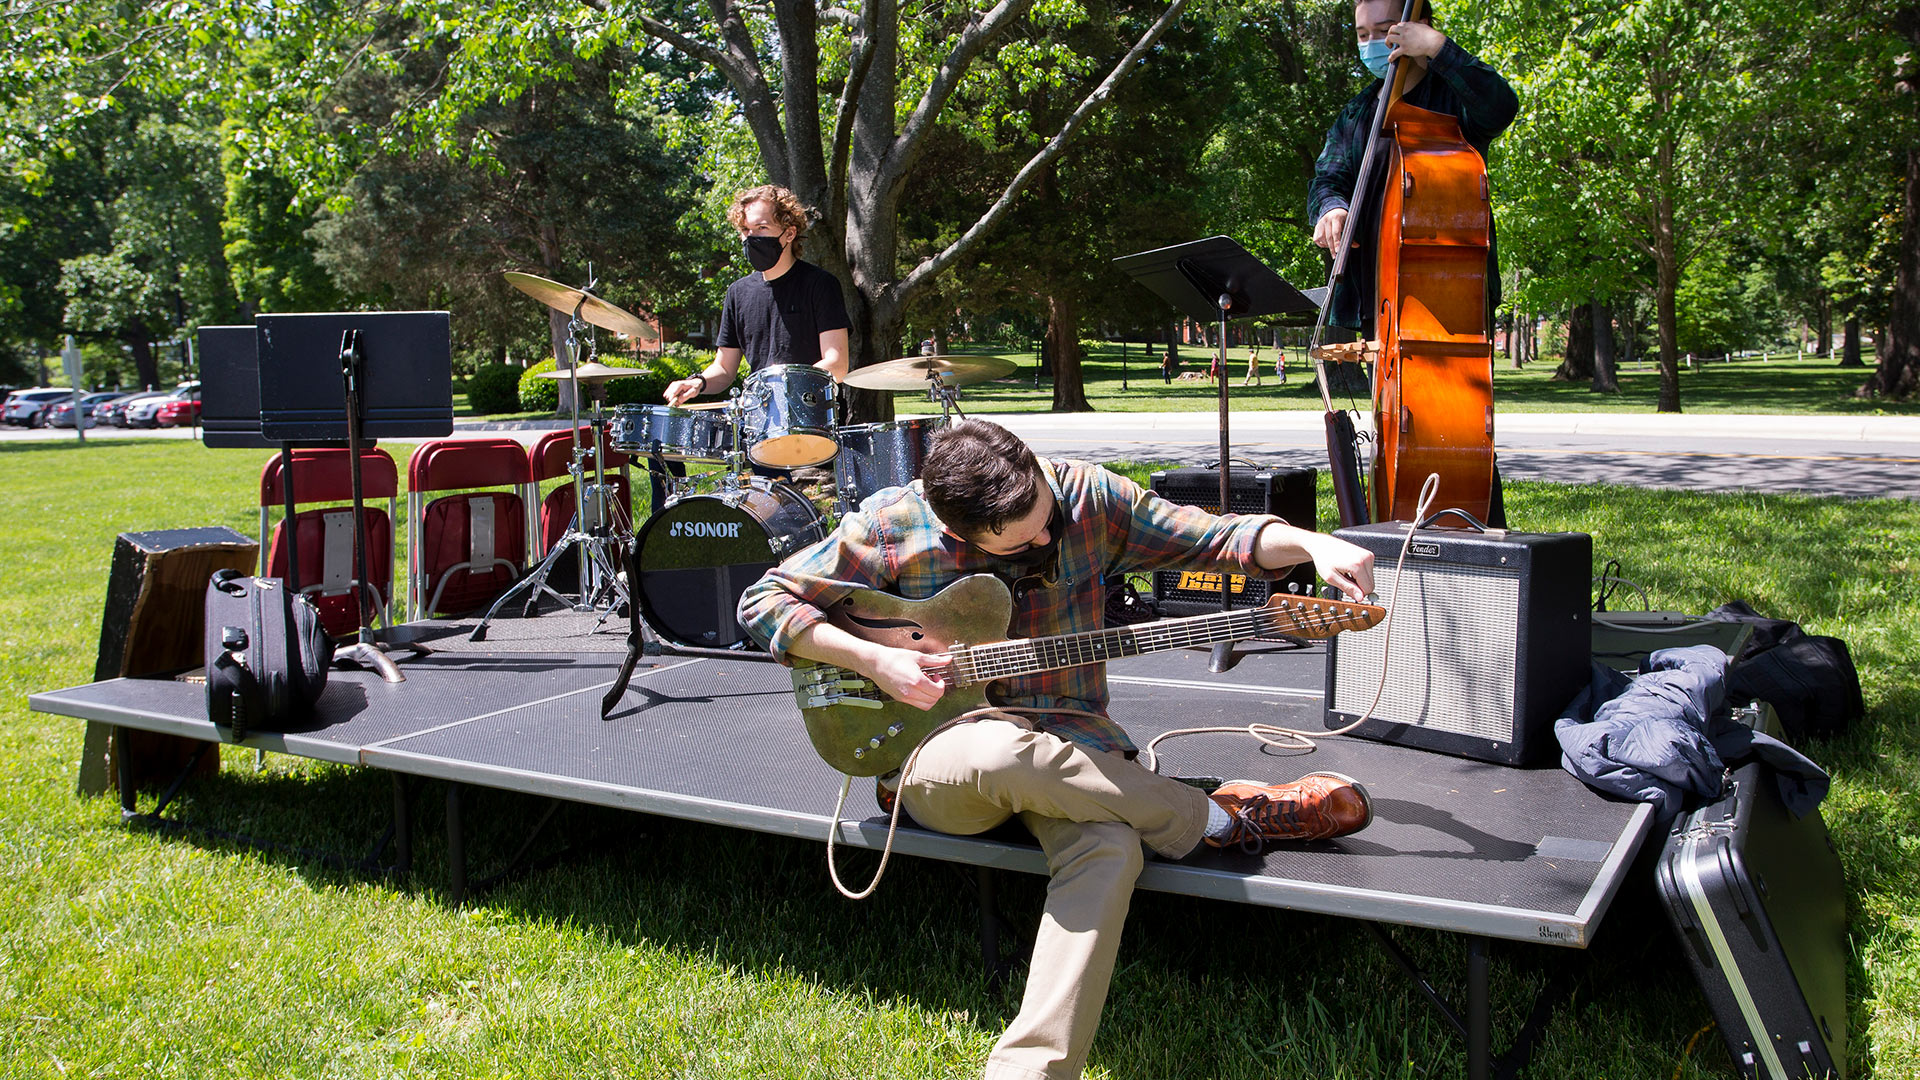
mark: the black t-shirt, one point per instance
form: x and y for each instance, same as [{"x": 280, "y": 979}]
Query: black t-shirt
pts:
[{"x": 780, "y": 321}]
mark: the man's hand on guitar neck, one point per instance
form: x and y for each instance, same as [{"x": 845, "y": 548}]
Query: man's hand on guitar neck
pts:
[{"x": 901, "y": 674}]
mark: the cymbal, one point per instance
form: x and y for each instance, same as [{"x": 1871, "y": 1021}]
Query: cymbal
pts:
[
  {"x": 920, "y": 372},
  {"x": 591, "y": 370},
  {"x": 595, "y": 310}
]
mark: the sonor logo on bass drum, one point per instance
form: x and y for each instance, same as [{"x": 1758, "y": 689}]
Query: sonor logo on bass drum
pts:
[
  {"x": 1428, "y": 550},
  {"x": 721, "y": 530}
]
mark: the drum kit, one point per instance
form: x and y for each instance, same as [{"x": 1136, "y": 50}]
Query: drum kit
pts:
[{"x": 715, "y": 532}]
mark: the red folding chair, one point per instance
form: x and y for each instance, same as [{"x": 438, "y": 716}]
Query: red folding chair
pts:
[
  {"x": 465, "y": 549},
  {"x": 324, "y": 535},
  {"x": 549, "y": 457}
]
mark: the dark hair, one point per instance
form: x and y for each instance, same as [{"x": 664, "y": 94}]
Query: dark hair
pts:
[{"x": 978, "y": 477}]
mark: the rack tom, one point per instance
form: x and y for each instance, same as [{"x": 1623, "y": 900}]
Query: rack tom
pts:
[{"x": 789, "y": 417}]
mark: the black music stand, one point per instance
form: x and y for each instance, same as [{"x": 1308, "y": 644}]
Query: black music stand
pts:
[
  {"x": 342, "y": 379},
  {"x": 1210, "y": 279}
]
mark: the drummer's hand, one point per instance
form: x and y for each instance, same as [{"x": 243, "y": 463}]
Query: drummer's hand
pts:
[
  {"x": 687, "y": 389},
  {"x": 902, "y": 674}
]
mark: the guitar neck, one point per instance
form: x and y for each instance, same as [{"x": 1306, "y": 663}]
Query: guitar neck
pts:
[{"x": 1025, "y": 656}]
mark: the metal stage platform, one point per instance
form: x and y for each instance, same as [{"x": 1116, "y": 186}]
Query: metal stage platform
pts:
[{"x": 1481, "y": 850}]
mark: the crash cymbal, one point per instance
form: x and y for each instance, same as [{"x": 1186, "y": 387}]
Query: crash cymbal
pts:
[
  {"x": 591, "y": 370},
  {"x": 920, "y": 372},
  {"x": 595, "y": 310}
]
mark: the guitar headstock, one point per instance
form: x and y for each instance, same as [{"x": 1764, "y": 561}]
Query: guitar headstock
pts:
[{"x": 1314, "y": 617}]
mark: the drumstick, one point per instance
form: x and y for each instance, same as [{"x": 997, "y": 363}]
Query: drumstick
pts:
[{"x": 706, "y": 405}]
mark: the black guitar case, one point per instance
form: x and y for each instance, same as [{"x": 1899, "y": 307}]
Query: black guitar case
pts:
[{"x": 1756, "y": 898}]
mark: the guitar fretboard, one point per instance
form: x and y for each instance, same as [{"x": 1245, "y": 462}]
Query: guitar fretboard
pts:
[{"x": 1307, "y": 618}]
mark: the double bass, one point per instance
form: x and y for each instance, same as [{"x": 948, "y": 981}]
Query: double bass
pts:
[{"x": 1432, "y": 352}]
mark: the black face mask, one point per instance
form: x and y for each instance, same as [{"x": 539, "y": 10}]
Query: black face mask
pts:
[
  {"x": 763, "y": 251},
  {"x": 1036, "y": 558}
]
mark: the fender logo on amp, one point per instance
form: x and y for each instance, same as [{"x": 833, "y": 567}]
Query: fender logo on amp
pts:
[
  {"x": 1424, "y": 549},
  {"x": 719, "y": 530}
]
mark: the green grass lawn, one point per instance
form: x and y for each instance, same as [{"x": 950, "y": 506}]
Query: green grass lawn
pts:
[
  {"x": 1132, "y": 383},
  {"x": 674, "y": 950}
]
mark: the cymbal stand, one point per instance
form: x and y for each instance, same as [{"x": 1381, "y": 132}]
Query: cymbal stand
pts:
[
  {"x": 599, "y": 575},
  {"x": 946, "y": 394}
]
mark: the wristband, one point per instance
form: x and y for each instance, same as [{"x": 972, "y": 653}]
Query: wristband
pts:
[{"x": 702, "y": 376}]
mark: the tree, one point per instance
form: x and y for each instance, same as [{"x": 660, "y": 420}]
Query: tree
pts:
[
  {"x": 161, "y": 269},
  {"x": 1635, "y": 124}
]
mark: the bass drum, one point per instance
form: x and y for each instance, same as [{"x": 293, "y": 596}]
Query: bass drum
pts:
[{"x": 699, "y": 553}]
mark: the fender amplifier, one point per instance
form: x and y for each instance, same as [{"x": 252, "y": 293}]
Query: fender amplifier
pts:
[
  {"x": 1491, "y": 639},
  {"x": 1287, "y": 493}
]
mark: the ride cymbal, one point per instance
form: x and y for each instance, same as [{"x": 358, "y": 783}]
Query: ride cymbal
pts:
[
  {"x": 592, "y": 309},
  {"x": 920, "y": 372}
]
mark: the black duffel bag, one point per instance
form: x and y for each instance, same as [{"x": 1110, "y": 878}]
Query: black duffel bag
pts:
[{"x": 267, "y": 654}]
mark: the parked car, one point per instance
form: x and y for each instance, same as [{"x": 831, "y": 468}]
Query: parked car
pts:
[
  {"x": 61, "y": 415},
  {"x": 28, "y": 408},
  {"x": 178, "y": 411},
  {"x": 115, "y": 412}
]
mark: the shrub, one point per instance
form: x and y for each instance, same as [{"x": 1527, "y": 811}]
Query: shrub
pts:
[
  {"x": 543, "y": 395},
  {"x": 495, "y": 388}
]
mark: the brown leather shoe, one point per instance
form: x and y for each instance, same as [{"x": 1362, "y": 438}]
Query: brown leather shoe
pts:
[{"x": 1317, "y": 806}]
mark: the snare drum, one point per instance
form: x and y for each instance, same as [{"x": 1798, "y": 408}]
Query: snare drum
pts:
[
  {"x": 699, "y": 553},
  {"x": 875, "y": 456},
  {"x": 789, "y": 420},
  {"x": 675, "y": 434}
]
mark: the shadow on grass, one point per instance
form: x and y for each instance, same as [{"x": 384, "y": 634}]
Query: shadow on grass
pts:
[{"x": 763, "y": 904}]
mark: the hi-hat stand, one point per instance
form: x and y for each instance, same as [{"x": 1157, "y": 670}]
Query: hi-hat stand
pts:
[{"x": 592, "y": 529}]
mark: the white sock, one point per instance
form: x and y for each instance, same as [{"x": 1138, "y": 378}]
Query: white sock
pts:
[{"x": 1218, "y": 820}]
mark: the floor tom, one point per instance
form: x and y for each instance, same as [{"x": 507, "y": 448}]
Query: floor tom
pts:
[{"x": 875, "y": 456}]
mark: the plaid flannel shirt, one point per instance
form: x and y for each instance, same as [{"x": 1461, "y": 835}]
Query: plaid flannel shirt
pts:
[{"x": 1113, "y": 526}]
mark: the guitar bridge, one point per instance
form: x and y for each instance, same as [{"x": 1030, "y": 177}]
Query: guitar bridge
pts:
[{"x": 819, "y": 687}]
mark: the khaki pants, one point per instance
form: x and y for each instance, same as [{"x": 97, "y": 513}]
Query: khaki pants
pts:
[{"x": 1091, "y": 812}]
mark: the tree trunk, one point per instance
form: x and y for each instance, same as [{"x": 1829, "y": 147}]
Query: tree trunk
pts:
[
  {"x": 145, "y": 368},
  {"x": 1577, "y": 364},
  {"x": 1850, "y": 343},
  {"x": 1898, "y": 373},
  {"x": 1063, "y": 334},
  {"x": 1823, "y": 347},
  {"x": 1605, "y": 364},
  {"x": 1669, "y": 287}
]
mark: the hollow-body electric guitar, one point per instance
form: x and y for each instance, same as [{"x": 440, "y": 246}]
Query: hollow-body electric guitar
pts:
[{"x": 858, "y": 729}]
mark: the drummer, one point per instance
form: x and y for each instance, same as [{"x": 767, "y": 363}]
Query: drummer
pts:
[{"x": 788, "y": 311}]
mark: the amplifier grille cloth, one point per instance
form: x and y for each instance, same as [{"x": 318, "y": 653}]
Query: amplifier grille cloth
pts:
[{"x": 1453, "y": 653}]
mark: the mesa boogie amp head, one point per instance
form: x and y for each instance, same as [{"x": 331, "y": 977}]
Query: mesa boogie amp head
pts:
[{"x": 1491, "y": 639}]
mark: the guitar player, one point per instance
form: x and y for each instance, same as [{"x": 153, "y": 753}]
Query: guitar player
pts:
[{"x": 1056, "y": 532}]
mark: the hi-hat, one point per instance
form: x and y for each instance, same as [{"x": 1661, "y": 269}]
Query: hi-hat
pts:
[
  {"x": 921, "y": 372},
  {"x": 592, "y": 309},
  {"x": 591, "y": 370}
]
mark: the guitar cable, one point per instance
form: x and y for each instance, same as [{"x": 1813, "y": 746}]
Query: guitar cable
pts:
[
  {"x": 1286, "y": 738},
  {"x": 1268, "y": 734}
]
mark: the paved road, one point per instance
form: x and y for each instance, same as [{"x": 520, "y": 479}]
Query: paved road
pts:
[
  {"x": 1862, "y": 457},
  {"x": 1852, "y": 456}
]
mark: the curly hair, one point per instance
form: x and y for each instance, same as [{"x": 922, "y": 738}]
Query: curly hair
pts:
[{"x": 787, "y": 210}]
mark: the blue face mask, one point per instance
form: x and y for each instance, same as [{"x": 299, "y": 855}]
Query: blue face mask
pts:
[{"x": 1374, "y": 55}]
